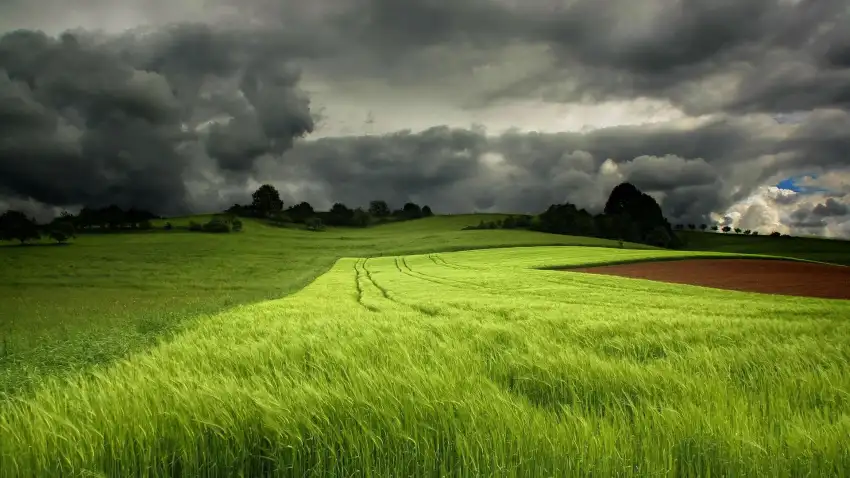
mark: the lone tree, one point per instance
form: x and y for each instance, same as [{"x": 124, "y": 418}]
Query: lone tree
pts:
[
  {"x": 16, "y": 226},
  {"x": 266, "y": 200},
  {"x": 636, "y": 215},
  {"x": 412, "y": 210},
  {"x": 426, "y": 211},
  {"x": 714, "y": 227},
  {"x": 61, "y": 229},
  {"x": 703, "y": 227},
  {"x": 726, "y": 229},
  {"x": 379, "y": 209}
]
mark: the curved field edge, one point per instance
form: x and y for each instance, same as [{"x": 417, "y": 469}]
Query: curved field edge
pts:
[
  {"x": 689, "y": 255},
  {"x": 463, "y": 364}
]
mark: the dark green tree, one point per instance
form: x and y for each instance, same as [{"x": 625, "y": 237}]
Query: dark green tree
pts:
[
  {"x": 379, "y": 209},
  {"x": 301, "y": 212},
  {"x": 17, "y": 226},
  {"x": 411, "y": 211},
  {"x": 360, "y": 218},
  {"x": 60, "y": 231},
  {"x": 266, "y": 200},
  {"x": 426, "y": 211}
]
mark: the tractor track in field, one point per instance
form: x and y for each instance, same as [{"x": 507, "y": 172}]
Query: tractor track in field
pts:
[
  {"x": 357, "y": 277},
  {"x": 386, "y": 294},
  {"x": 442, "y": 280}
]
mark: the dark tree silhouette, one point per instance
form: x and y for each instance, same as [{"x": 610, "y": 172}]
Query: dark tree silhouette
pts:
[
  {"x": 726, "y": 229},
  {"x": 301, "y": 212},
  {"x": 692, "y": 227},
  {"x": 714, "y": 227},
  {"x": 737, "y": 230},
  {"x": 62, "y": 228},
  {"x": 17, "y": 226},
  {"x": 340, "y": 215},
  {"x": 703, "y": 227},
  {"x": 426, "y": 211},
  {"x": 266, "y": 200},
  {"x": 636, "y": 214},
  {"x": 379, "y": 209},
  {"x": 411, "y": 211},
  {"x": 360, "y": 218}
]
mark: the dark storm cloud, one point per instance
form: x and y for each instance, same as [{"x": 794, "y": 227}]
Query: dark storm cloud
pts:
[
  {"x": 694, "y": 172},
  {"x": 830, "y": 208},
  {"x": 90, "y": 119},
  {"x": 764, "y": 55}
]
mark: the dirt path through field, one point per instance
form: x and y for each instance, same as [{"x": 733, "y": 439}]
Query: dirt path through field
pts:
[{"x": 751, "y": 275}]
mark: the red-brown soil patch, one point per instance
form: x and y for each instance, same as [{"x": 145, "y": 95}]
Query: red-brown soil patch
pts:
[{"x": 750, "y": 275}]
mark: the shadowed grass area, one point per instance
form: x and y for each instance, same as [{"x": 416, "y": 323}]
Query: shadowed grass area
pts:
[
  {"x": 464, "y": 364},
  {"x": 814, "y": 249},
  {"x": 105, "y": 296}
]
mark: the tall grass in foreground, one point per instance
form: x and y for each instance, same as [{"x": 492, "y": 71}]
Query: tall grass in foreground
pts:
[{"x": 464, "y": 364}]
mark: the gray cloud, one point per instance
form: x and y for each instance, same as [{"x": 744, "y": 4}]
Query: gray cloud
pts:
[
  {"x": 88, "y": 119},
  {"x": 830, "y": 208},
  {"x": 162, "y": 115},
  {"x": 695, "y": 171}
]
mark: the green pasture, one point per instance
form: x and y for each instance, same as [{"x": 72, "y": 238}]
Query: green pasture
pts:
[
  {"x": 105, "y": 296},
  {"x": 470, "y": 363}
]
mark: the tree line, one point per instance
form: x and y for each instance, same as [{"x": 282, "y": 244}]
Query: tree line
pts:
[
  {"x": 267, "y": 204},
  {"x": 629, "y": 215}
]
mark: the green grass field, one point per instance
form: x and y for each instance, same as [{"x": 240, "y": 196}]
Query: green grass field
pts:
[
  {"x": 179, "y": 354},
  {"x": 66, "y": 308}
]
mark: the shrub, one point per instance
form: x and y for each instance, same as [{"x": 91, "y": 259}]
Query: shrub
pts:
[
  {"x": 236, "y": 225},
  {"x": 216, "y": 224},
  {"x": 314, "y": 224}
]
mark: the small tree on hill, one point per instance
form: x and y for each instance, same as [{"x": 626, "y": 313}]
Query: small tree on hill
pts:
[
  {"x": 755, "y": 233},
  {"x": 726, "y": 229},
  {"x": 412, "y": 211},
  {"x": 714, "y": 228},
  {"x": 360, "y": 218},
  {"x": 266, "y": 200},
  {"x": 379, "y": 209},
  {"x": 60, "y": 231},
  {"x": 737, "y": 230},
  {"x": 692, "y": 226},
  {"x": 703, "y": 227},
  {"x": 426, "y": 211}
]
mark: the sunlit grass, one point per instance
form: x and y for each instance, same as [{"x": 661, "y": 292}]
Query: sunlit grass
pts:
[
  {"x": 106, "y": 296},
  {"x": 469, "y": 363}
]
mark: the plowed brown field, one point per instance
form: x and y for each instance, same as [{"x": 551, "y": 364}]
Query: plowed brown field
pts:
[{"x": 751, "y": 275}]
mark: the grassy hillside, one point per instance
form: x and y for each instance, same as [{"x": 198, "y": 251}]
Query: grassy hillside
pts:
[
  {"x": 106, "y": 296},
  {"x": 465, "y": 363},
  {"x": 813, "y": 249}
]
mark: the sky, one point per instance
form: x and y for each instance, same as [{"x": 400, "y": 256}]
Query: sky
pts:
[{"x": 726, "y": 111}]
